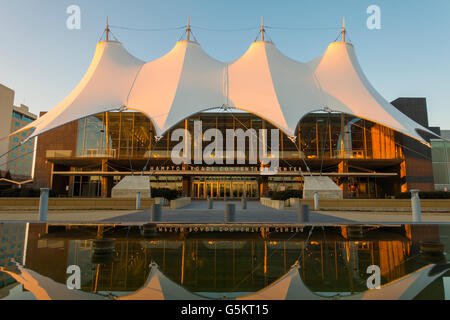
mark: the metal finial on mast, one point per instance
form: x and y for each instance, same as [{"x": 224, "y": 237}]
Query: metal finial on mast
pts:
[
  {"x": 343, "y": 30},
  {"x": 188, "y": 29},
  {"x": 107, "y": 30},
  {"x": 262, "y": 28}
]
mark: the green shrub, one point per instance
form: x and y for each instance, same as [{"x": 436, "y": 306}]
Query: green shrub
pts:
[
  {"x": 425, "y": 195},
  {"x": 285, "y": 195}
]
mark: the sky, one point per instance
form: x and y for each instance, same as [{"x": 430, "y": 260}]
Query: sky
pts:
[{"x": 42, "y": 60}]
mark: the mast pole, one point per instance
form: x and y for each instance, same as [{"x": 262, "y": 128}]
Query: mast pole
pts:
[
  {"x": 262, "y": 28},
  {"x": 188, "y": 29},
  {"x": 343, "y": 31},
  {"x": 107, "y": 29}
]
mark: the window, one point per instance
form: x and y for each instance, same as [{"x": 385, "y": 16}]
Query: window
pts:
[
  {"x": 16, "y": 140},
  {"x": 17, "y": 115},
  {"x": 438, "y": 151},
  {"x": 440, "y": 173},
  {"x": 17, "y": 124}
]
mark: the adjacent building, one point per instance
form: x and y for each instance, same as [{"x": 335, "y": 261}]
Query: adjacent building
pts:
[
  {"x": 441, "y": 161},
  {"x": 12, "y": 246},
  {"x": 19, "y": 160}
]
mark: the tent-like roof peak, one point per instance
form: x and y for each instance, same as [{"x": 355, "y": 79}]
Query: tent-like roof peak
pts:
[
  {"x": 189, "y": 41},
  {"x": 263, "y": 81}
]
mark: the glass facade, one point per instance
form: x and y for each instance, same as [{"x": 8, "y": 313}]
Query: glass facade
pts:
[
  {"x": 441, "y": 164},
  {"x": 320, "y": 136},
  {"x": 340, "y": 136},
  {"x": 326, "y": 142},
  {"x": 114, "y": 135}
]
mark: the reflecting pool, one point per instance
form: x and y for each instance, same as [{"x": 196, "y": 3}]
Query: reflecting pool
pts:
[{"x": 42, "y": 261}]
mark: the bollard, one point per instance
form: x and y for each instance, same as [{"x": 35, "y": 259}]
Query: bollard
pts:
[
  {"x": 230, "y": 212},
  {"x": 415, "y": 206},
  {"x": 43, "y": 205},
  {"x": 155, "y": 215},
  {"x": 316, "y": 201},
  {"x": 138, "y": 201},
  {"x": 244, "y": 203},
  {"x": 210, "y": 203},
  {"x": 303, "y": 215}
]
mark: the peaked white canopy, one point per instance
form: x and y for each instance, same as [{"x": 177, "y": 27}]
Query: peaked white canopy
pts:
[
  {"x": 178, "y": 85},
  {"x": 105, "y": 86},
  {"x": 263, "y": 81}
]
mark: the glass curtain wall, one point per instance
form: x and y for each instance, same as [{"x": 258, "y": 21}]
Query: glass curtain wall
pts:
[
  {"x": 320, "y": 136},
  {"x": 115, "y": 135}
]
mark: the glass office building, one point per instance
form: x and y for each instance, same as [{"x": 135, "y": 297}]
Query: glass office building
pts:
[{"x": 441, "y": 161}]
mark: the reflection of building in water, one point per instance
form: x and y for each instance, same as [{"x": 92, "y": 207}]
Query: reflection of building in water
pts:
[
  {"x": 47, "y": 256},
  {"x": 12, "y": 240},
  {"x": 330, "y": 262}
]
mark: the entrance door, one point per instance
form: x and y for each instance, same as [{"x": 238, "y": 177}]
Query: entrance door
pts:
[
  {"x": 224, "y": 189},
  {"x": 220, "y": 189},
  {"x": 238, "y": 189},
  {"x": 198, "y": 190}
]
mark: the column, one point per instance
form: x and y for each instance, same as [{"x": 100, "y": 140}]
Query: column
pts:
[{"x": 104, "y": 179}]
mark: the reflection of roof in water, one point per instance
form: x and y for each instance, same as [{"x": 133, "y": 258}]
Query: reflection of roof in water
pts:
[
  {"x": 160, "y": 287},
  {"x": 289, "y": 287}
]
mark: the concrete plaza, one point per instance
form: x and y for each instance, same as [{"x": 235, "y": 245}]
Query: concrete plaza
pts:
[{"x": 197, "y": 212}]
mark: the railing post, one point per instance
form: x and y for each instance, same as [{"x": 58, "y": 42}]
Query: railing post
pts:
[
  {"x": 210, "y": 203},
  {"x": 303, "y": 215},
  {"x": 230, "y": 212},
  {"x": 316, "y": 201},
  {"x": 155, "y": 215},
  {"x": 244, "y": 203},
  {"x": 415, "y": 206},
  {"x": 43, "y": 205},
  {"x": 138, "y": 201}
]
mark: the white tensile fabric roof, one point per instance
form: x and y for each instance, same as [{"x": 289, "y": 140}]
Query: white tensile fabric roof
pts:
[{"x": 263, "y": 81}]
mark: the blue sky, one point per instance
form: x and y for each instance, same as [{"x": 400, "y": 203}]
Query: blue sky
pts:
[{"x": 43, "y": 61}]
